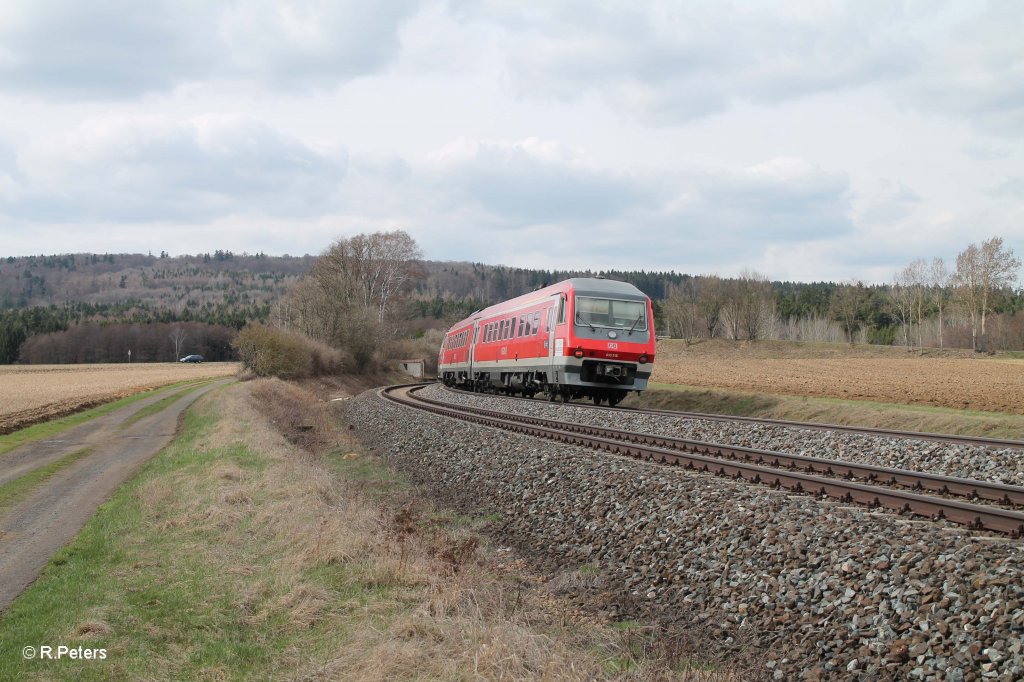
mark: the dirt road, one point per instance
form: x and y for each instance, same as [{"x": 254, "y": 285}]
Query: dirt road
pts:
[{"x": 113, "y": 448}]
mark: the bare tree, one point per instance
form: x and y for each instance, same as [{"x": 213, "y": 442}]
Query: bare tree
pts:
[
  {"x": 916, "y": 278},
  {"x": 901, "y": 301},
  {"x": 709, "y": 305},
  {"x": 732, "y": 304},
  {"x": 756, "y": 303},
  {"x": 747, "y": 305},
  {"x": 847, "y": 300},
  {"x": 979, "y": 272},
  {"x": 938, "y": 280},
  {"x": 347, "y": 299},
  {"x": 178, "y": 337},
  {"x": 371, "y": 269},
  {"x": 681, "y": 310}
]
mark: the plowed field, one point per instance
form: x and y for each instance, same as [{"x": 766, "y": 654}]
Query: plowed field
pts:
[
  {"x": 890, "y": 375},
  {"x": 34, "y": 393}
]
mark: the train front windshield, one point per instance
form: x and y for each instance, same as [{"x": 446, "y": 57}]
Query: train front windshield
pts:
[{"x": 611, "y": 313}]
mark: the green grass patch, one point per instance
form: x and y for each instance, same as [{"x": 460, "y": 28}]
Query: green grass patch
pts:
[
  {"x": 13, "y": 491},
  {"x": 49, "y": 429},
  {"x": 369, "y": 475},
  {"x": 164, "y": 607},
  {"x": 866, "y": 413},
  {"x": 178, "y": 579},
  {"x": 233, "y": 556},
  {"x": 159, "y": 406}
]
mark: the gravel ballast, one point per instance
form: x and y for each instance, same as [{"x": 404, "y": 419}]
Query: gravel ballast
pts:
[
  {"x": 824, "y": 591},
  {"x": 1002, "y": 465}
]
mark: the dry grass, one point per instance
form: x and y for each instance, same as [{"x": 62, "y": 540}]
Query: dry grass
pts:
[
  {"x": 33, "y": 393},
  {"x": 881, "y": 374},
  {"x": 422, "y": 597},
  {"x": 238, "y": 553}
]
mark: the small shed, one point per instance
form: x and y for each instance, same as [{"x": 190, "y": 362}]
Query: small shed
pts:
[{"x": 414, "y": 367}]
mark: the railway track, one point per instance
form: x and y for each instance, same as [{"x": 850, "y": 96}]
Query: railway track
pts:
[
  {"x": 816, "y": 426},
  {"x": 848, "y": 482}
]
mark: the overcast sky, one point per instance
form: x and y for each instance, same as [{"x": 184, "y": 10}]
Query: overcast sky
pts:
[{"x": 805, "y": 140}]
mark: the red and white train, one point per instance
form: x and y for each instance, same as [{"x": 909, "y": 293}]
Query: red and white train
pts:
[{"x": 581, "y": 338}]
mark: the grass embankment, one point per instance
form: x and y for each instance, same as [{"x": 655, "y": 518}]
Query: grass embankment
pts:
[
  {"x": 15, "y": 490},
  {"x": 238, "y": 554},
  {"x": 49, "y": 429},
  {"x": 865, "y": 413}
]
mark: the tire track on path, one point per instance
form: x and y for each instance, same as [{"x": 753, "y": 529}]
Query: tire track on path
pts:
[{"x": 51, "y": 515}]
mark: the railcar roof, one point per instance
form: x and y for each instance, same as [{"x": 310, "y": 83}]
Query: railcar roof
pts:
[{"x": 583, "y": 286}]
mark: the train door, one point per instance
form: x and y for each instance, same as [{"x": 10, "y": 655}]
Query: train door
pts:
[
  {"x": 472, "y": 350},
  {"x": 554, "y": 345}
]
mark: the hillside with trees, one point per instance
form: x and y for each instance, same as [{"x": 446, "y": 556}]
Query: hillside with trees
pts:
[{"x": 372, "y": 291}]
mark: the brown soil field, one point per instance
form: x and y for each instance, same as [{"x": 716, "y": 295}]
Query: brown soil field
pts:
[
  {"x": 33, "y": 393},
  {"x": 952, "y": 379}
]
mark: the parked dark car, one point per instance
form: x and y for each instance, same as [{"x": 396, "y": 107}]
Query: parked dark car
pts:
[{"x": 192, "y": 358}]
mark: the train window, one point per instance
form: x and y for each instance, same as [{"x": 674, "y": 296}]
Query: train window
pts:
[
  {"x": 524, "y": 322},
  {"x": 614, "y": 313},
  {"x": 536, "y": 322},
  {"x": 512, "y": 328},
  {"x": 505, "y": 327},
  {"x": 561, "y": 310}
]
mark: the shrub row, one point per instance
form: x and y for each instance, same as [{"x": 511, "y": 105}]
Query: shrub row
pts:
[{"x": 268, "y": 351}]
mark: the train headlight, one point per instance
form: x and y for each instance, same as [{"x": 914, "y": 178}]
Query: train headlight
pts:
[
  {"x": 643, "y": 359},
  {"x": 578, "y": 353}
]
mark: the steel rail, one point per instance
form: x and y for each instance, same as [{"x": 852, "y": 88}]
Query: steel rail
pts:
[
  {"x": 1000, "y": 493},
  {"x": 971, "y": 515},
  {"x": 979, "y": 441}
]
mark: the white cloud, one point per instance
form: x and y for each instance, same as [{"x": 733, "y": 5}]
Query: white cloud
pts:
[
  {"x": 669, "y": 63},
  {"x": 81, "y": 50},
  {"x": 154, "y": 169},
  {"x": 531, "y": 181},
  {"x": 833, "y": 139},
  {"x": 976, "y": 71}
]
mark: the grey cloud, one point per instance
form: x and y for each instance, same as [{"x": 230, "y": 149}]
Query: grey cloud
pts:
[
  {"x": 806, "y": 204},
  {"x": 527, "y": 194},
  {"x": 155, "y": 170},
  {"x": 977, "y": 71},
  {"x": 117, "y": 49},
  {"x": 512, "y": 181},
  {"x": 673, "y": 62}
]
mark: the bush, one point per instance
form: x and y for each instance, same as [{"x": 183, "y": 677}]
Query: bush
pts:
[{"x": 268, "y": 351}]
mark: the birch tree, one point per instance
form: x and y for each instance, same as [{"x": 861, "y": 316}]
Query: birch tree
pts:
[
  {"x": 938, "y": 280},
  {"x": 901, "y": 301},
  {"x": 979, "y": 272}
]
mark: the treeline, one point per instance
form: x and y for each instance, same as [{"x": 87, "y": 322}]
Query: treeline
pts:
[
  {"x": 926, "y": 305},
  {"x": 154, "y": 342},
  {"x": 161, "y": 282},
  {"x": 373, "y": 290},
  {"x": 494, "y": 283}
]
